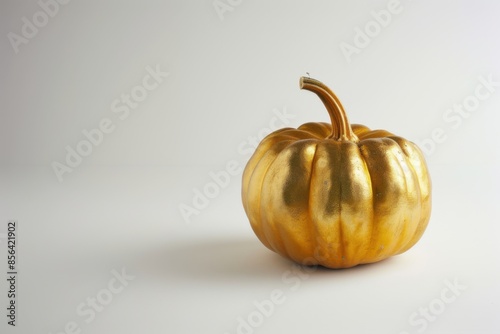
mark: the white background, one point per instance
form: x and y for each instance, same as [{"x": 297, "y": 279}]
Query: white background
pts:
[{"x": 228, "y": 75}]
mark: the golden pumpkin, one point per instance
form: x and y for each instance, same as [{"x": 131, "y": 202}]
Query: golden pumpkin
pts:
[{"x": 334, "y": 194}]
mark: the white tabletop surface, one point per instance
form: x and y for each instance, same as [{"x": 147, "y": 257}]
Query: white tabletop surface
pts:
[{"x": 179, "y": 91}]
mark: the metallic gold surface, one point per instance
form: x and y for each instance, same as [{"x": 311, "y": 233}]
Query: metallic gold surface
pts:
[{"x": 335, "y": 194}]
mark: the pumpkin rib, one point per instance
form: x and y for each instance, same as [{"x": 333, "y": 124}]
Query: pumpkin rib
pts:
[
  {"x": 399, "y": 140},
  {"x": 424, "y": 218},
  {"x": 381, "y": 223},
  {"x": 277, "y": 243},
  {"x": 372, "y": 210},
  {"x": 260, "y": 185},
  {"x": 403, "y": 188},
  {"x": 300, "y": 134},
  {"x": 373, "y": 134},
  {"x": 278, "y": 138},
  {"x": 360, "y": 129},
  {"x": 353, "y": 204},
  {"x": 261, "y": 235},
  {"x": 312, "y": 228},
  {"x": 277, "y": 238},
  {"x": 291, "y": 244},
  {"x": 402, "y": 226},
  {"x": 365, "y": 259},
  {"x": 320, "y": 130},
  {"x": 340, "y": 227}
]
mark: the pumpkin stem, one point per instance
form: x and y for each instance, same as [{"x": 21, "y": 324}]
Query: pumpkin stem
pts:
[{"x": 341, "y": 128}]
